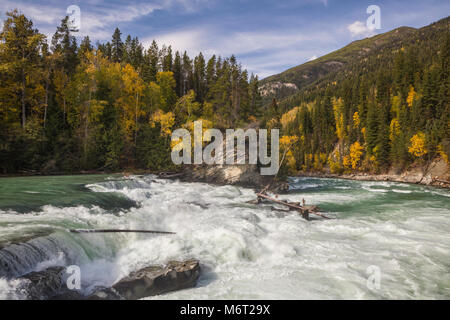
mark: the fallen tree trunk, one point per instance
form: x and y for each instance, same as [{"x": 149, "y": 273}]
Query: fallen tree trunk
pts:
[{"x": 293, "y": 206}]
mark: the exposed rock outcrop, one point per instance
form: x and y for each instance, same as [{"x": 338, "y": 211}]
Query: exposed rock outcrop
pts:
[
  {"x": 50, "y": 284},
  {"x": 246, "y": 175},
  {"x": 155, "y": 280},
  {"x": 43, "y": 285}
]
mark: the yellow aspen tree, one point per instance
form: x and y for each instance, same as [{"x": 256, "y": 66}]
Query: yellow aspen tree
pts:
[
  {"x": 394, "y": 129},
  {"x": 154, "y": 96},
  {"x": 418, "y": 145},
  {"x": 356, "y": 120},
  {"x": 289, "y": 117},
  {"x": 166, "y": 121},
  {"x": 356, "y": 151},
  {"x": 411, "y": 96},
  {"x": 346, "y": 162},
  {"x": 286, "y": 142},
  {"x": 338, "y": 108},
  {"x": 133, "y": 88}
]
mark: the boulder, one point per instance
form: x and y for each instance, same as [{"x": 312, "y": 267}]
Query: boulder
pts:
[
  {"x": 43, "y": 285},
  {"x": 156, "y": 280}
]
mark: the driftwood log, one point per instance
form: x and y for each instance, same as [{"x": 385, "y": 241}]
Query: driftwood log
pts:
[
  {"x": 303, "y": 210},
  {"x": 118, "y": 231}
]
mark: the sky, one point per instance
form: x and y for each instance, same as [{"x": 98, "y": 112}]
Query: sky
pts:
[{"x": 267, "y": 37}]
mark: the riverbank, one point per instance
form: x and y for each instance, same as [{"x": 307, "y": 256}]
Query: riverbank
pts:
[
  {"x": 437, "y": 174},
  {"x": 76, "y": 173}
]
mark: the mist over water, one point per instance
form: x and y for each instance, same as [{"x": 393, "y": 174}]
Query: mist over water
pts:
[{"x": 246, "y": 251}]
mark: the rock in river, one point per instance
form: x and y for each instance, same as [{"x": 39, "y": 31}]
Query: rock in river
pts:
[
  {"x": 155, "y": 280},
  {"x": 43, "y": 285}
]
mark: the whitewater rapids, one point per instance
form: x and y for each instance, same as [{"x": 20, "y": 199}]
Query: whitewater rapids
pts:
[{"x": 247, "y": 251}]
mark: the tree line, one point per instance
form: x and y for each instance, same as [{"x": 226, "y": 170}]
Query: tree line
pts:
[{"x": 67, "y": 106}]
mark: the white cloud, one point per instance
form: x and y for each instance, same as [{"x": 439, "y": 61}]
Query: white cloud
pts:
[
  {"x": 314, "y": 57},
  {"x": 187, "y": 5},
  {"x": 208, "y": 39},
  {"x": 359, "y": 28},
  {"x": 39, "y": 13},
  {"x": 97, "y": 22},
  {"x": 98, "y": 18},
  {"x": 262, "y": 52}
]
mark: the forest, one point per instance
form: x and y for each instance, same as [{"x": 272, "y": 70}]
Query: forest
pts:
[
  {"x": 68, "y": 107},
  {"x": 386, "y": 110}
]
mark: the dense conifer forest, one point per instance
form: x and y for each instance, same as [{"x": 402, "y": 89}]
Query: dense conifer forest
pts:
[{"x": 387, "y": 107}]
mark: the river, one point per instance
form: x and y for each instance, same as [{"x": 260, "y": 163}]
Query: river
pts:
[{"x": 247, "y": 251}]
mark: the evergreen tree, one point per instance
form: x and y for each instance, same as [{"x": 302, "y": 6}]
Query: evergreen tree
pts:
[{"x": 117, "y": 46}]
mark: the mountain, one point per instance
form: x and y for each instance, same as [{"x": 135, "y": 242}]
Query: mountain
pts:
[
  {"x": 377, "y": 105},
  {"x": 341, "y": 62}
]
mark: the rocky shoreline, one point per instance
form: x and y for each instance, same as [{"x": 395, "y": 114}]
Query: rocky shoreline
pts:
[{"x": 436, "y": 175}]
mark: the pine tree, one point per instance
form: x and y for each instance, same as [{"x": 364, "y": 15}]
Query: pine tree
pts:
[
  {"x": 117, "y": 47},
  {"x": 150, "y": 65},
  {"x": 178, "y": 73},
  {"x": 371, "y": 132},
  {"x": 255, "y": 102},
  {"x": 187, "y": 74},
  {"x": 167, "y": 63},
  {"x": 199, "y": 77},
  {"x": 65, "y": 45}
]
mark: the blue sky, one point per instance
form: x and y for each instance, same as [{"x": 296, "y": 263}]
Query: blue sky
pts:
[{"x": 266, "y": 36}]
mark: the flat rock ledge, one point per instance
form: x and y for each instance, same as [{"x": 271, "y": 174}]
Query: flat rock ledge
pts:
[
  {"x": 150, "y": 281},
  {"x": 247, "y": 176}
]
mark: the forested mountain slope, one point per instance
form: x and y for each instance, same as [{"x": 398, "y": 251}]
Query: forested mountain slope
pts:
[
  {"x": 340, "y": 63},
  {"x": 387, "y": 107}
]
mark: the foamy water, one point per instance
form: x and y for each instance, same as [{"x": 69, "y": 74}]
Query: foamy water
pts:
[{"x": 249, "y": 251}]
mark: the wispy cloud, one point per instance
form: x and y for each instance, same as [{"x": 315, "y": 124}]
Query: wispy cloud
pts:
[
  {"x": 98, "y": 18},
  {"x": 39, "y": 13},
  {"x": 97, "y": 22},
  {"x": 263, "y": 52}
]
